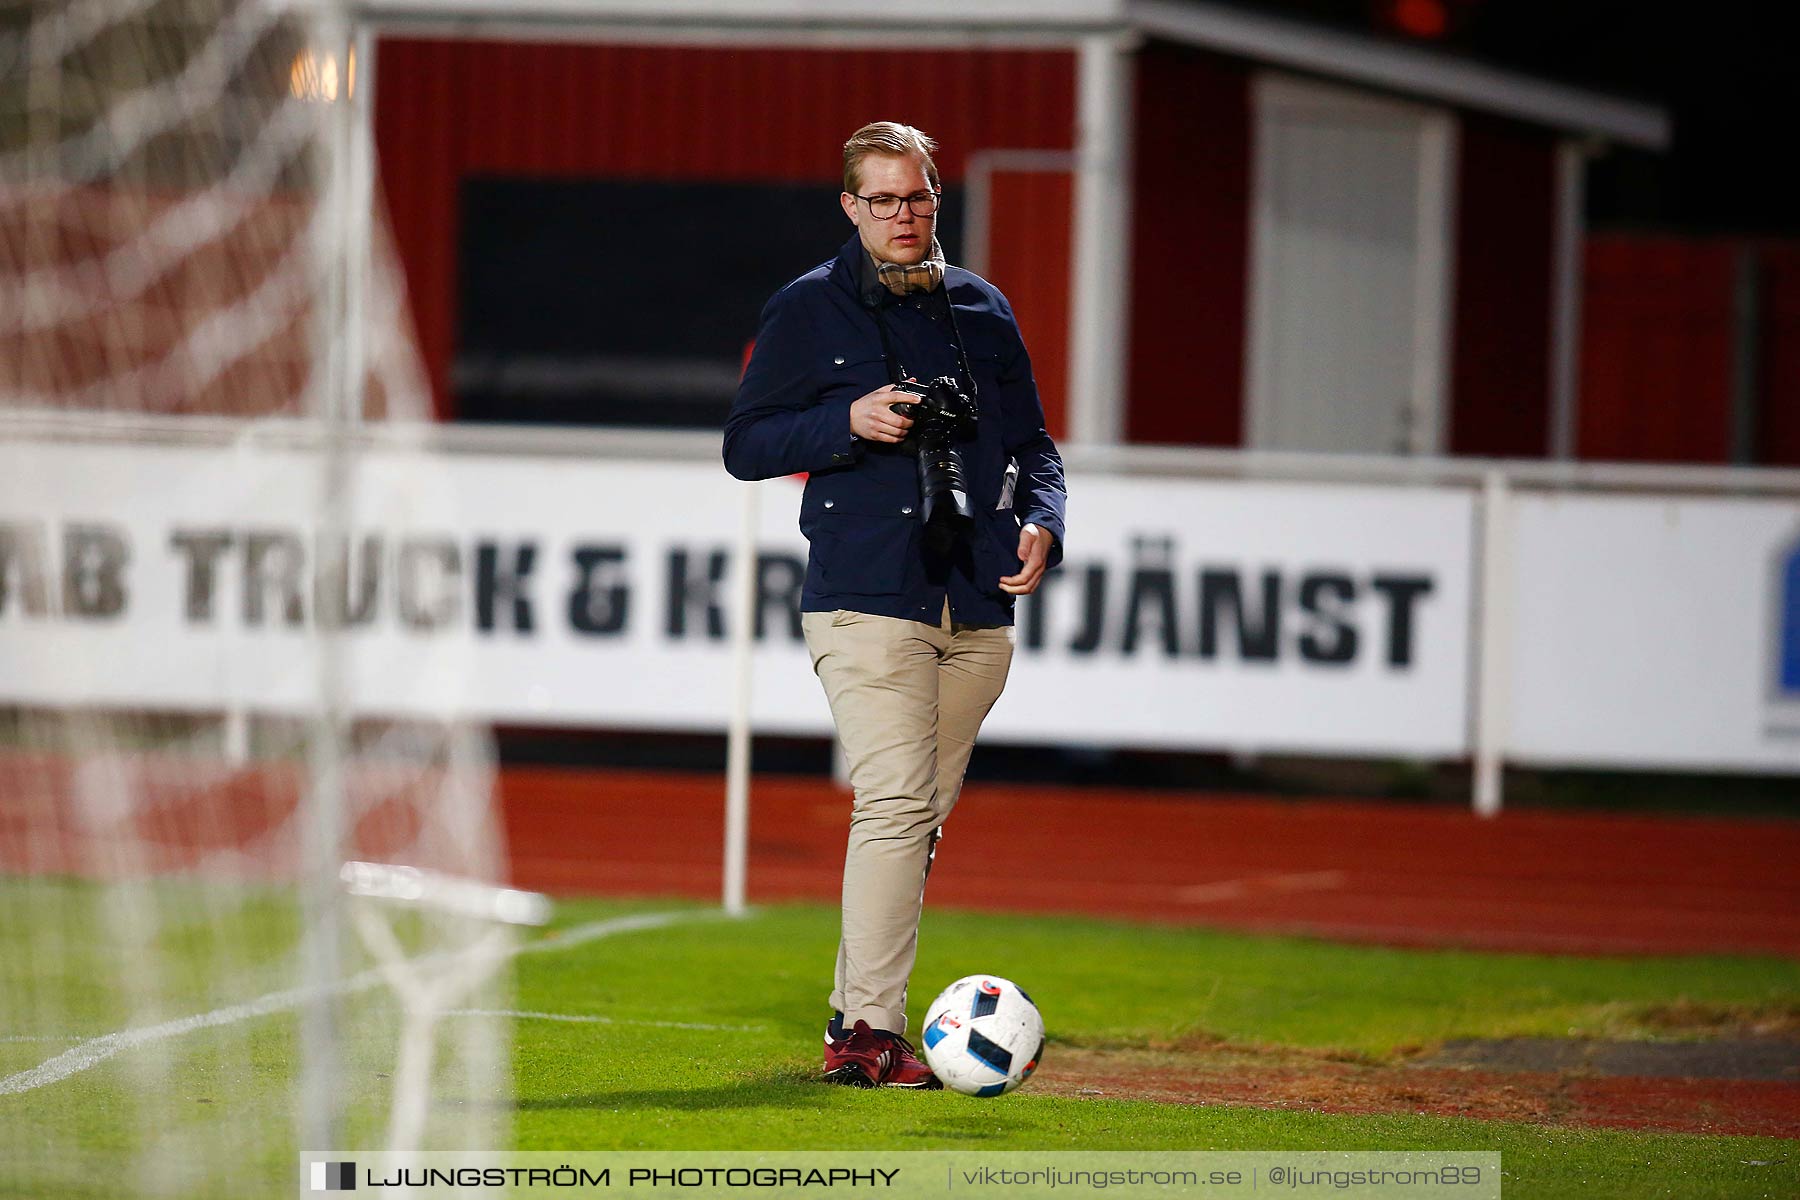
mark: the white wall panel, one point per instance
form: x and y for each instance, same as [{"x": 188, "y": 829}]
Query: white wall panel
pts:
[
  {"x": 1649, "y": 632},
  {"x": 1188, "y": 614},
  {"x": 1640, "y": 631}
]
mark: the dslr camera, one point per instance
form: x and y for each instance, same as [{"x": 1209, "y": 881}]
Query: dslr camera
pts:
[{"x": 942, "y": 418}]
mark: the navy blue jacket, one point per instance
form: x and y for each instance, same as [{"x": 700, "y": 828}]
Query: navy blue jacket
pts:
[{"x": 818, "y": 351}]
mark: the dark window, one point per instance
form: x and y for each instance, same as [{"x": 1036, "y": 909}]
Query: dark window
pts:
[{"x": 601, "y": 302}]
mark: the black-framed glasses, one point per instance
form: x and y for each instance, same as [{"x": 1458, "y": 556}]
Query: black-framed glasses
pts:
[{"x": 884, "y": 207}]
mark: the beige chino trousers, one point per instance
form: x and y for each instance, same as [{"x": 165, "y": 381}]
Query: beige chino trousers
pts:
[{"x": 907, "y": 699}]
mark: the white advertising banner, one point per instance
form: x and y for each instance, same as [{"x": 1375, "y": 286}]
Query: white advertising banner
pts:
[
  {"x": 1260, "y": 616},
  {"x": 1655, "y": 632},
  {"x": 597, "y": 592}
]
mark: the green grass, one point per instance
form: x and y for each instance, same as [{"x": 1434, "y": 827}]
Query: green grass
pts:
[
  {"x": 633, "y": 1084},
  {"x": 1102, "y": 984},
  {"x": 1113, "y": 984}
]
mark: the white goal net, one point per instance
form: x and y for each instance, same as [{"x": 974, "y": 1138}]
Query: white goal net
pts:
[{"x": 215, "y": 946}]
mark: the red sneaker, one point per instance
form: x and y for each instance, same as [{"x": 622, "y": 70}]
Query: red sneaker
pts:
[
  {"x": 857, "y": 1059},
  {"x": 875, "y": 1058},
  {"x": 904, "y": 1068}
]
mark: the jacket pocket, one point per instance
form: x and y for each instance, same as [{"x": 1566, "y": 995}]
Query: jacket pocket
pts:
[
  {"x": 853, "y": 375},
  {"x": 844, "y": 366},
  {"x": 862, "y": 548}
]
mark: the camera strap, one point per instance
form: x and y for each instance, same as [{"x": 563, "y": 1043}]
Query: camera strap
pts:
[{"x": 897, "y": 370}]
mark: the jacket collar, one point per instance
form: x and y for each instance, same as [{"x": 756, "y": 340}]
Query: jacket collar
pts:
[{"x": 854, "y": 271}]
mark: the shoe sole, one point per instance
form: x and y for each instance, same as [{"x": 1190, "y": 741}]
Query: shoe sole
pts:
[
  {"x": 850, "y": 1076},
  {"x": 927, "y": 1085}
]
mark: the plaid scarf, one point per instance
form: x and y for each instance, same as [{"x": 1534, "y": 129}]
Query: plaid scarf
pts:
[{"x": 920, "y": 277}]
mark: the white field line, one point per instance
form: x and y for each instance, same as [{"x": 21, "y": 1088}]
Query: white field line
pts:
[
  {"x": 1237, "y": 889},
  {"x": 591, "y": 1019},
  {"x": 94, "y": 1051}
]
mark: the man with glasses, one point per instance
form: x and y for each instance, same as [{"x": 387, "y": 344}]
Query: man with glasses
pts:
[{"x": 911, "y": 639}]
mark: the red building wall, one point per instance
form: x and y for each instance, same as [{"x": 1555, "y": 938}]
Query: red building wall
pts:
[
  {"x": 1778, "y": 433},
  {"x": 446, "y": 109},
  {"x": 1191, "y": 239},
  {"x": 1659, "y": 349},
  {"x": 1656, "y": 357},
  {"x": 1029, "y": 249},
  {"x": 1500, "y": 345},
  {"x": 1190, "y": 248}
]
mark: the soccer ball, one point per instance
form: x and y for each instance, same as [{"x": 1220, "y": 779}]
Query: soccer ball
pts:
[{"x": 983, "y": 1036}]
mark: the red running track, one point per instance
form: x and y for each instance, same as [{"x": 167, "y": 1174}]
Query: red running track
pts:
[{"x": 1353, "y": 870}]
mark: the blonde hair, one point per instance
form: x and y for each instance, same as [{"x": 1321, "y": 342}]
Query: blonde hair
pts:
[{"x": 886, "y": 137}]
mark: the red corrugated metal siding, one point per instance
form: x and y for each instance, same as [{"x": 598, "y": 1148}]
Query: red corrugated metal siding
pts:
[
  {"x": 1778, "y": 435},
  {"x": 1190, "y": 249},
  {"x": 1506, "y": 218},
  {"x": 448, "y": 109},
  {"x": 1029, "y": 248},
  {"x": 1656, "y": 359}
]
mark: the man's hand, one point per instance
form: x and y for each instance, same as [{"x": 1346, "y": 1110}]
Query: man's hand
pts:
[
  {"x": 1034, "y": 552},
  {"x": 873, "y": 421}
]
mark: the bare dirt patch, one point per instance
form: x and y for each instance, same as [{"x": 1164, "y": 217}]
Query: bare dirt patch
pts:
[
  {"x": 1774, "y": 1060},
  {"x": 1690, "y": 1018},
  {"x": 1549, "y": 1083}
]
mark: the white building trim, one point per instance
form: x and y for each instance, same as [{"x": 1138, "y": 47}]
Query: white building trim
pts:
[
  {"x": 1566, "y": 255},
  {"x": 1100, "y": 267},
  {"x": 1417, "y": 71}
]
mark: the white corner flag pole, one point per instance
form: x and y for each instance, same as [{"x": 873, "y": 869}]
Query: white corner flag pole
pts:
[{"x": 737, "y": 737}]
